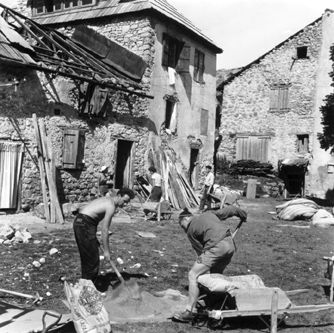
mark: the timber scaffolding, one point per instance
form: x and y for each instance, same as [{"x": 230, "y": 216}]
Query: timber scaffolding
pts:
[{"x": 175, "y": 185}]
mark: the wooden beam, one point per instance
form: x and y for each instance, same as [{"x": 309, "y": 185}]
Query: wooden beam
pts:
[
  {"x": 52, "y": 185},
  {"x": 41, "y": 168}
]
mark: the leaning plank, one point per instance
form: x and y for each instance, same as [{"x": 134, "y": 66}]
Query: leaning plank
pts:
[
  {"x": 41, "y": 168},
  {"x": 52, "y": 185}
]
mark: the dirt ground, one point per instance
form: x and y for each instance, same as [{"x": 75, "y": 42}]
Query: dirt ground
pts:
[{"x": 285, "y": 254}]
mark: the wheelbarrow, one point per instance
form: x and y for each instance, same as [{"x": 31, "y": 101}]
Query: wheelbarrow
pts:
[
  {"x": 157, "y": 210},
  {"x": 246, "y": 296}
]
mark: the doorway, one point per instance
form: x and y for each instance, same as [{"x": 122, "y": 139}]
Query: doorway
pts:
[
  {"x": 193, "y": 167},
  {"x": 11, "y": 155},
  {"x": 124, "y": 162}
]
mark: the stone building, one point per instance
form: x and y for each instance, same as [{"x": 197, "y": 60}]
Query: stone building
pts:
[
  {"x": 270, "y": 109},
  {"x": 154, "y": 51}
]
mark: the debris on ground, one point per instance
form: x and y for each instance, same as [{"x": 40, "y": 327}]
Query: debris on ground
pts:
[
  {"x": 146, "y": 234},
  {"x": 11, "y": 235}
]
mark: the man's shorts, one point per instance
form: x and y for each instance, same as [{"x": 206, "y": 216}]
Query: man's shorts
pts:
[{"x": 219, "y": 256}]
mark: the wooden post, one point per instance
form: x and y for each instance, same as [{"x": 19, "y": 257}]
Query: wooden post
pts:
[
  {"x": 332, "y": 284},
  {"x": 52, "y": 186},
  {"x": 41, "y": 169},
  {"x": 274, "y": 307}
]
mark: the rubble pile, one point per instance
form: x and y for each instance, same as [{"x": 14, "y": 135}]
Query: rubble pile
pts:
[{"x": 10, "y": 235}]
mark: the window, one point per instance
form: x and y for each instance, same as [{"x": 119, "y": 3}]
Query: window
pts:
[
  {"x": 199, "y": 66},
  {"x": 171, "y": 51},
  {"x": 49, "y": 6},
  {"x": 279, "y": 98},
  {"x": 303, "y": 143},
  {"x": 73, "y": 148},
  {"x": 302, "y": 52},
  {"x": 254, "y": 148},
  {"x": 170, "y": 116},
  {"x": 204, "y": 121}
]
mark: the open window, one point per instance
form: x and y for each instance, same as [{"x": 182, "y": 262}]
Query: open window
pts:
[
  {"x": 172, "y": 48},
  {"x": 302, "y": 143},
  {"x": 171, "y": 115},
  {"x": 73, "y": 148},
  {"x": 199, "y": 66},
  {"x": 279, "y": 95},
  {"x": 302, "y": 52}
]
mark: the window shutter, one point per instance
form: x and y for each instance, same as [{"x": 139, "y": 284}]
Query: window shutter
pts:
[
  {"x": 184, "y": 60},
  {"x": 274, "y": 99},
  {"x": 201, "y": 67},
  {"x": 252, "y": 148},
  {"x": 204, "y": 121},
  {"x": 73, "y": 148},
  {"x": 196, "y": 68},
  {"x": 165, "y": 50}
]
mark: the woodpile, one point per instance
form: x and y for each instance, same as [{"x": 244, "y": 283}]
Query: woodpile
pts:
[
  {"x": 250, "y": 167},
  {"x": 175, "y": 186},
  {"x": 53, "y": 212}
]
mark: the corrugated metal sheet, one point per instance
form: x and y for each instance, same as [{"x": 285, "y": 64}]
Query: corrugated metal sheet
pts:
[{"x": 113, "y": 7}]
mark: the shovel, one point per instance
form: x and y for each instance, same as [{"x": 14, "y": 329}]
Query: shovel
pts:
[{"x": 126, "y": 289}]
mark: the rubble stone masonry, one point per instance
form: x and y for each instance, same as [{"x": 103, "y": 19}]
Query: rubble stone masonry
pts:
[{"x": 246, "y": 99}]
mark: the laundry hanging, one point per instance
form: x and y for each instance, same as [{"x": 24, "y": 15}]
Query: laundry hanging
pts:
[{"x": 11, "y": 154}]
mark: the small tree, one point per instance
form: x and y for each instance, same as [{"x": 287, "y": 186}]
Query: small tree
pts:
[{"x": 326, "y": 138}]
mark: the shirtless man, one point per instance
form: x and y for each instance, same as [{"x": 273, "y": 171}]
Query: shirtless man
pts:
[{"x": 100, "y": 210}]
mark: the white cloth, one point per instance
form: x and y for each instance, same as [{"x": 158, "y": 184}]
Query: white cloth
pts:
[
  {"x": 156, "y": 178},
  {"x": 171, "y": 75},
  {"x": 209, "y": 179}
]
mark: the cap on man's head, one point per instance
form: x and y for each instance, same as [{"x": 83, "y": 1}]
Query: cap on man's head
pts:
[
  {"x": 185, "y": 212},
  {"x": 104, "y": 168}
]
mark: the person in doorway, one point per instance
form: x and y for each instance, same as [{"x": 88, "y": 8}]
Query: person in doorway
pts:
[
  {"x": 208, "y": 183},
  {"x": 104, "y": 181},
  {"x": 214, "y": 247},
  {"x": 156, "y": 179},
  {"x": 98, "y": 211}
]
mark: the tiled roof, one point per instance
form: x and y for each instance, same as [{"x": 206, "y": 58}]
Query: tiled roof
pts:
[{"x": 115, "y": 7}]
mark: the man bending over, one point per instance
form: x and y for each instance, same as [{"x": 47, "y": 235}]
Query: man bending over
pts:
[{"x": 100, "y": 210}]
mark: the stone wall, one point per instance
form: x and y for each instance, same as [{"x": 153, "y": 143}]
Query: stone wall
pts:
[
  {"x": 32, "y": 96},
  {"x": 246, "y": 99}
]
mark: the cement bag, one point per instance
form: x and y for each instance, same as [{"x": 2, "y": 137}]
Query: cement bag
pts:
[
  {"x": 221, "y": 283},
  {"x": 295, "y": 212},
  {"x": 322, "y": 219},
  {"x": 300, "y": 201},
  {"x": 88, "y": 312}
]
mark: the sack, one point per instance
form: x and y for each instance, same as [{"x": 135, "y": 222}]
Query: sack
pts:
[{"x": 88, "y": 312}]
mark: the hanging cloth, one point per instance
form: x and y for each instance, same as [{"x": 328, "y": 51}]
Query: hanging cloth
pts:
[{"x": 11, "y": 155}]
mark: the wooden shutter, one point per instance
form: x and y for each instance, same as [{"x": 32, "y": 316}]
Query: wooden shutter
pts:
[
  {"x": 204, "y": 121},
  {"x": 274, "y": 99},
  {"x": 283, "y": 98},
  {"x": 73, "y": 148},
  {"x": 165, "y": 50},
  {"x": 201, "y": 66},
  {"x": 184, "y": 60},
  {"x": 253, "y": 148},
  {"x": 196, "y": 68}
]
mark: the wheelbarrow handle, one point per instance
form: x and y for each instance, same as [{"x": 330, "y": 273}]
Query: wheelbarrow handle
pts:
[{"x": 51, "y": 314}]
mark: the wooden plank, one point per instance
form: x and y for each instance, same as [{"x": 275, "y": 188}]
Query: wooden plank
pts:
[
  {"x": 274, "y": 306},
  {"x": 52, "y": 186},
  {"x": 41, "y": 169}
]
